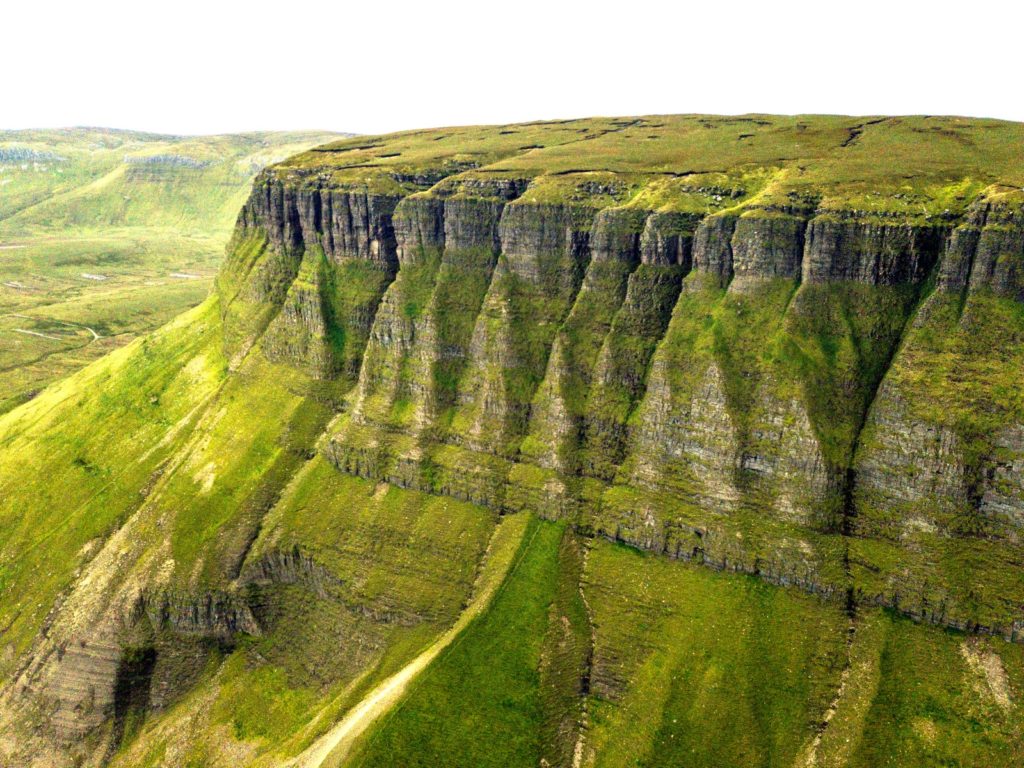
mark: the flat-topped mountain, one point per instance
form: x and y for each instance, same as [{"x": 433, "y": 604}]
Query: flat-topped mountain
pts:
[{"x": 675, "y": 440}]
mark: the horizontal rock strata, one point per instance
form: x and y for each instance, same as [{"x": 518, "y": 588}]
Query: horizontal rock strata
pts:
[{"x": 648, "y": 373}]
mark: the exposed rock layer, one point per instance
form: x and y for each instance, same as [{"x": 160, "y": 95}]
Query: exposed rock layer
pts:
[{"x": 564, "y": 387}]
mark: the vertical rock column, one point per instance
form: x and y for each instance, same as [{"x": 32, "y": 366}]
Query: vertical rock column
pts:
[
  {"x": 937, "y": 504},
  {"x": 546, "y": 480},
  {"x": 544, "y": 252},
  {"x": 620, "y": 376}
]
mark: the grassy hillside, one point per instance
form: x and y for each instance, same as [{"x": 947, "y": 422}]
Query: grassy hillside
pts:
[
  {"x": 690, "y": 668},
  {"x": 107, "y": 234},
  {"x": 678, "y": 440}
]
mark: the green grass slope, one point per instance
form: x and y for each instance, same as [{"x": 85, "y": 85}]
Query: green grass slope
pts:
[
  {"x": 78, "y": 460},
  {"x": 690, "y": 668},
  {"x": 491, "y": 675}
]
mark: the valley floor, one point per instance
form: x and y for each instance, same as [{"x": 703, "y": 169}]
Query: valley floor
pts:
[{"x": 67, "y": 302}]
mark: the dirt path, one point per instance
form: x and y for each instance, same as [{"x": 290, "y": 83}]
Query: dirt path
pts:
[
  {"x": 95, "y": 336},
  {"x": 336, "y": 743},
  {"x": 37, "y": 333},
  {"x": 68, "y": 323}
]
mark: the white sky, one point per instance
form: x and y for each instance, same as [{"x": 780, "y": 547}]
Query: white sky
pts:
[{"x": 369, "y": 67}]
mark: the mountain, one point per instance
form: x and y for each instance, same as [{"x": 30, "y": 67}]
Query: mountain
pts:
[
  {"x": 107, "y": 234},
  {"x": 674, "y": 440}
]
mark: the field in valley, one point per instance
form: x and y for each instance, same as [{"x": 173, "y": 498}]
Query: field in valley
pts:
[{"x": 107, "y": 234}]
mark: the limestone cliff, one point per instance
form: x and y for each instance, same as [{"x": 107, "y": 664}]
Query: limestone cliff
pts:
[{"x": 702, "y": 374}]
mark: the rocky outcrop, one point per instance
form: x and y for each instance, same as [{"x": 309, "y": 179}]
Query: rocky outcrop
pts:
[
  {"x": 848, "y": 248},
  {"x": 546, "y": 245},
  {"x": 214, "y": 614},
  {"x": 768, "y": 244},
  {"x": 101, "y": 672},
  {"x": 301, "y": 331},
  {"x": 933, "y": 496},
  {"x": 958, "y": 258},
  {"x": 986, "y": 251},
  {"x": 667, "y": 239},
  {"x": 783, "y": 464},
  {"x": 472, "y": 224},
  {"x": 540, "y": 355},
  {"x": 291, "y": 566},
  {"x": 712, "y": 247},
  {"x": 419, "y": 340},
  {"x": 419, "y": 227},
  {"x": 688, "y": 449},
  {"x": 910, "y": 467},
  {"x": 344, "y": 224},
  {"x": 998, "y": 264}
]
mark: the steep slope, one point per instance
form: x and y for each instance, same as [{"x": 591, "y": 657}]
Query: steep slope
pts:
[
  {"x": 107, "y": 234},
  {"x": 785, "y": 348}
]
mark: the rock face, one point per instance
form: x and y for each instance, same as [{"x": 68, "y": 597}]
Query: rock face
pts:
[
  {"x": 996, "y": 264},
  {"x": 1001, "y": 493},
  {"x": 868, "y": 252},
  {"x": 84, "y": 693},
  {"x": 549, "y": 375},
  {"x": 768, "y": 245},
  {"x": 344, "y": 225},
  {"x": 533, "y": 355},
  {"x": 712, "y": 247},
  {"x": 210, "y": 615},
  {"x": 667, "y": 239}
]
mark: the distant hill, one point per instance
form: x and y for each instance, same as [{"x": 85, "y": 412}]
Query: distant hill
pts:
[{"x": 114, "y": 231}]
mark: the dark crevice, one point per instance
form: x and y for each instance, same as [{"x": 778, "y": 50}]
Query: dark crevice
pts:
[
  {"x": 858, "y": 130},
  {"x": 969, "y": 267},
  {"x": 922, "y": 290},
  {"x": 855, "y": 133},
  {"x": 340, "y": 150},
  {"x": 132, "y": 685}
]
